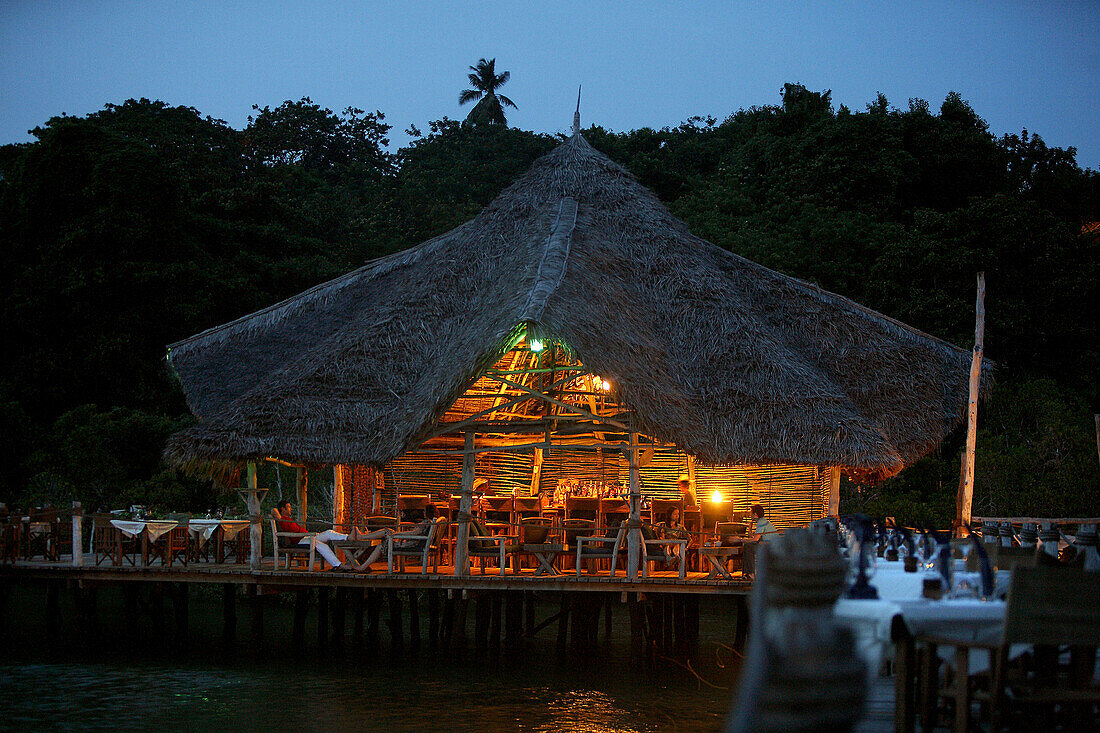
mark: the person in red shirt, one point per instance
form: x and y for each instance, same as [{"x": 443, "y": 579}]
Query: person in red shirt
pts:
[{"x": 282, "y": 516}]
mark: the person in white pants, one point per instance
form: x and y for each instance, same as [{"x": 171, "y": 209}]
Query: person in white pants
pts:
[{"x": 286, "y": 524}]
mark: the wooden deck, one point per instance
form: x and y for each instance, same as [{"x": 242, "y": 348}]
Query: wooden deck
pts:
[{"x": 444, "y": 579}]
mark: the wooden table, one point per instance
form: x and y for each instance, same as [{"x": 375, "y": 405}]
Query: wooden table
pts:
[
  {"x": 717, "y": 557},
  {"x": 547, "y": 553},
  {"x": 356, "y": 551}
]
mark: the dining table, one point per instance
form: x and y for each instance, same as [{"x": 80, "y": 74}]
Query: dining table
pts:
[
  {"x": 890, "y": 624},
  {"x": 223, "y": 531},
  {"x": 147, "y": 530}
]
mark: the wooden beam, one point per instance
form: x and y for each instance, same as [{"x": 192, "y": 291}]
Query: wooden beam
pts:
[
  {"x": 444, "y": 428},
  {"x": 834, "y": 492},
  {"x": 462, "y": 551},
  {"x": 566, "y": 405},
  {"x": 965, "y": 499},
  {"x": 301, "y": 479},
  {"x": 634, "y": 535},
  {"x": 536, "y": 470},
  {"x": 338, "y": 518}
]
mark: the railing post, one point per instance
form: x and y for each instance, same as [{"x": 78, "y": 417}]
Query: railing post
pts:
[{"x": 78, "y": 535}]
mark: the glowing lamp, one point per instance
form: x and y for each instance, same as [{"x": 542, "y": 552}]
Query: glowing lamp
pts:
[
  {"x": 606, "y": 385},
  {"x": 537, "y": 345},
  {"x": 716, "y": 496}
]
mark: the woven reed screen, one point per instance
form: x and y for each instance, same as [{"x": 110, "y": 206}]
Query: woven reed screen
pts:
[{"x": 790, "y": 494}]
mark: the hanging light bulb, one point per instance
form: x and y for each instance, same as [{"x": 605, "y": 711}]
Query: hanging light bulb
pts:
[
  {"x": 605, "y": 385},
  {"x": 537, "y": 345},
  {"x": 716, "y": 496}
]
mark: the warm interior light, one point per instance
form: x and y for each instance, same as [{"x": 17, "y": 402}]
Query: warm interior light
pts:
[
  {"x": 536, "y": 345},
  {"x": 606, "y": 385},
  {"x": 716, "y": 496}
]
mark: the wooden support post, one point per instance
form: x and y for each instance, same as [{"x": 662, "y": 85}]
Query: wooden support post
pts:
[
  {"x": 180, "y": 597},
  {"x": 834, "y": 492},
  {"x": 637, "y": 628},
  {"x": 341, "y": 476},
  {"x": 78, "y": 535},
  {"x": 433, "y": 618},
  {"x": 156, "y": 611},
  {"x": 301, "y": 480},
  {"x": 131, "y": 611},
  {"x": 528, "y": 613},
  {"x": 339, "y": 618},
  {"x": 536, "y": 471},
  {"x": 357, "y": 617},
  {"x": 53, "y": 611},
  {"x": 563, "y": 620},
  {"x": 256, "y": 529},
  {"x": 257, "y": 612},
  {"x": 481, "y": 622},
  {"x": 374, "y": 610},
  {"x": 397, "y": 639},
  {"x": 691, "y": 477},
  {"x": 459, "y": 630},
  {"x": 513, "y": 618},
  {"x": 691, "y": 622},
  {"x": 229, "y": 614},
  {"x": 965, "y": 498},
  {"x": 462, "y": 551},
  {"x": 741, "y": 627},
  {"x": 322, "y": 619},
  {"x": 414, "y": 621},
  {"x": 447, "y": 630},
  {"x": 634, "y": 534},
  {"x": 496, "y": 608},
  {"x": 301, "y": 610}
]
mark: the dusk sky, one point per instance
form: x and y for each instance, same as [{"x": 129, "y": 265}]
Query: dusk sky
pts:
[{"x": 1033, "y": 65}]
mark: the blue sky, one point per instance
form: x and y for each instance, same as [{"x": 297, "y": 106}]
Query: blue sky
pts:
[{"x": 1033, "y": 65}]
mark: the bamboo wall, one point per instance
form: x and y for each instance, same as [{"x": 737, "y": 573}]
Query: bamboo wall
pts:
[{"x": 790, "y": 494}]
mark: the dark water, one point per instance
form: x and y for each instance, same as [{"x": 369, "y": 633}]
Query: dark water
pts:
[{"x": 129, "y": 679}]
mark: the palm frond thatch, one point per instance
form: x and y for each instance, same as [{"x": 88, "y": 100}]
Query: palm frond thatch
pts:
[{"x": 731, "y": 361}]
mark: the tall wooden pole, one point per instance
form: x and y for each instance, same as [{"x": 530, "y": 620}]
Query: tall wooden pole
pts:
[
  {"x": 462, "y": 557},
  {"x": 634, "y": 533},
  {"x": 966, "y": 478},
  {"x": 78, "y": 535},
  {"x": 834, "y": 492},
  {"x": 301, "y": 480},
  {"x": 256, "y": 529}
]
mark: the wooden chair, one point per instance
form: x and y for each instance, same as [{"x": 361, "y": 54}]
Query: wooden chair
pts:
[
  {"x": 659, "y": 509},
  {"x": 407, "y": 504},
  {"x": 1004, "y": 558},
  {"x": 37, "y": 534},
  {"x": 497, "y": 508},
  {"x": 613, "y": 511},
  {"x": 601, "y": 547},
  {"x": 11, "y": 539},
  {"x": 571, "y": 529},
  {"x": 1046, "y": 606},
  {"x": 524, "y": 507},
  {"x": 238, "y": 548},
  {"x": 655, "y": 551},
  {"x": 424, "y": 546},
  {"x": 286, "y": 544},
  {"x": 109, "y": 543},
  {"x": 175, "y": 543},
  {"x": 582, "y": 507},
  {"x": 534, "y": 531},
  {"x": 499, "y": 547}
]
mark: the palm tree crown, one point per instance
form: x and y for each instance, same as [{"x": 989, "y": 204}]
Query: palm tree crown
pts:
[{"x": 485, "y": 81}]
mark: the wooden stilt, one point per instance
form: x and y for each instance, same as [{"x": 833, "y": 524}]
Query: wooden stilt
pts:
[
  {"x": 156, "y": 611},
  {"x": 563, "y": 620},
  {"x": 397, "y": 640},
  {"x": 495, "y": 605},
  {"x": 741, "y": 630},
  {"x": 433, "y": 618},
  {"x": 668, "y": 618},
  {"x": 53, "y": 611},
  {"x": 481, "y": 622},
  {"x": 131, "y": 612},
  {"x": 301, "y": 610},
  {"x": 637, "y": 628},
  {"x": 459, "y": 633},
  {"x": 357, "y": 607},
  {"x": 528, "y": 613},
  {"x": 229, "y": 614},
  {"x": 339, "y": 618},
  {"x": 374, "y": 609},
  {"x": 414, "y": 621},
  {"x": 513, "y": 619},
  {"x": 180, "y": 598},
  {"x": 609, "y": 602},
  {"x": 447, "y": 632},
  {"x": 257, "y": 619},
  {"x": 322, "y": 619}
]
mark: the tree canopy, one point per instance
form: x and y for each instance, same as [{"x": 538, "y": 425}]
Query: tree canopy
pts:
[
  {"x": 138, "y": 225},
  {"x": 484, "y": 83}
]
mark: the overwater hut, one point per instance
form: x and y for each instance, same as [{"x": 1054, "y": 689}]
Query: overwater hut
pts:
[{"x": 573, "y": 330}]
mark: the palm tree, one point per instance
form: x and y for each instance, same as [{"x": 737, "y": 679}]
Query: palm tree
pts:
[{"x": 485, "y": 81}]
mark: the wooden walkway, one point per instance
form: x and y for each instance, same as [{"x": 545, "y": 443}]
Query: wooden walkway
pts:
[{"x": 444, "y": 579}]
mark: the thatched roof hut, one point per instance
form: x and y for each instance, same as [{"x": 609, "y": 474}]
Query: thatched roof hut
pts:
[{"x": 732, "y": 362}]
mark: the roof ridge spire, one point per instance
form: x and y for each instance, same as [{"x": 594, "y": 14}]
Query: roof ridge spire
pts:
[{"x": 577, "y": 114}]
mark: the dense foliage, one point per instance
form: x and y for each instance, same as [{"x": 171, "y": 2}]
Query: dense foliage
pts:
[{"x": 141, "y": 224}]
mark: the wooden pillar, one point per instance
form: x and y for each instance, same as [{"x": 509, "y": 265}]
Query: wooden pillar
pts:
[
  {"x": 301, "y": 610},
  {"x": 634, "y": 534},
  {"x": 528, "y": 613},
  {"x": 513, "y": 618},
  {"x": 536, "y": 471},
  {"x": 322, "y": 619},
  {"x": 301, "y": 480},
  {"x": 180, "y": 598},
  {"x": 257, "y": 618},
  {"x": 563, "y": 620},
  {"x": 496, "y": 608},
  {"x": 396, "y": 631},
  {"x": 256, "y": 529},
  {"x": 229, "y": 614},
  {"x": 833, "y": 509},
  {"x": 53, "y": 611},
  {"x": 156, "y": 611},
  {"x": 965, "y": 498},
  {"x": 691, "y": 478},
  {"x": 448, "y": 622},
  {"x": 357, "y": 617},
  {"x": 481, "y": 621},
  {"x": 462, "y": 552},
  {"x": 414, "y": 621},
  {"x": 433, "y": 618},
  {"x": 339, "y": 520},
  {"x": 339, "y": 618},
  {"x": 637, "y": 628},
  {"x": 78, "y": 535},
  {"x": 131, "y": 612},
  {"x": 374, "y": 612}
]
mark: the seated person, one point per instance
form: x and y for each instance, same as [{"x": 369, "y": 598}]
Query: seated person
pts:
[
  {"x": 763, "y": 526},
  {"x": 422, "y": 529},
  {"x": 686, "y": 492},
  {"x": 283, "y": 522}
]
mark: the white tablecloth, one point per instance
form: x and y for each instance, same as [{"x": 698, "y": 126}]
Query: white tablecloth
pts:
[
  {"x": 900, "y": 597},
  {"x": 204, "y": 528},
  {"x": 154, "y": 527}
]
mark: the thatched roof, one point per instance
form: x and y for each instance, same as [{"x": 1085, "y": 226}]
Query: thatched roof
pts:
[{"x": 733, "y": 362}]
